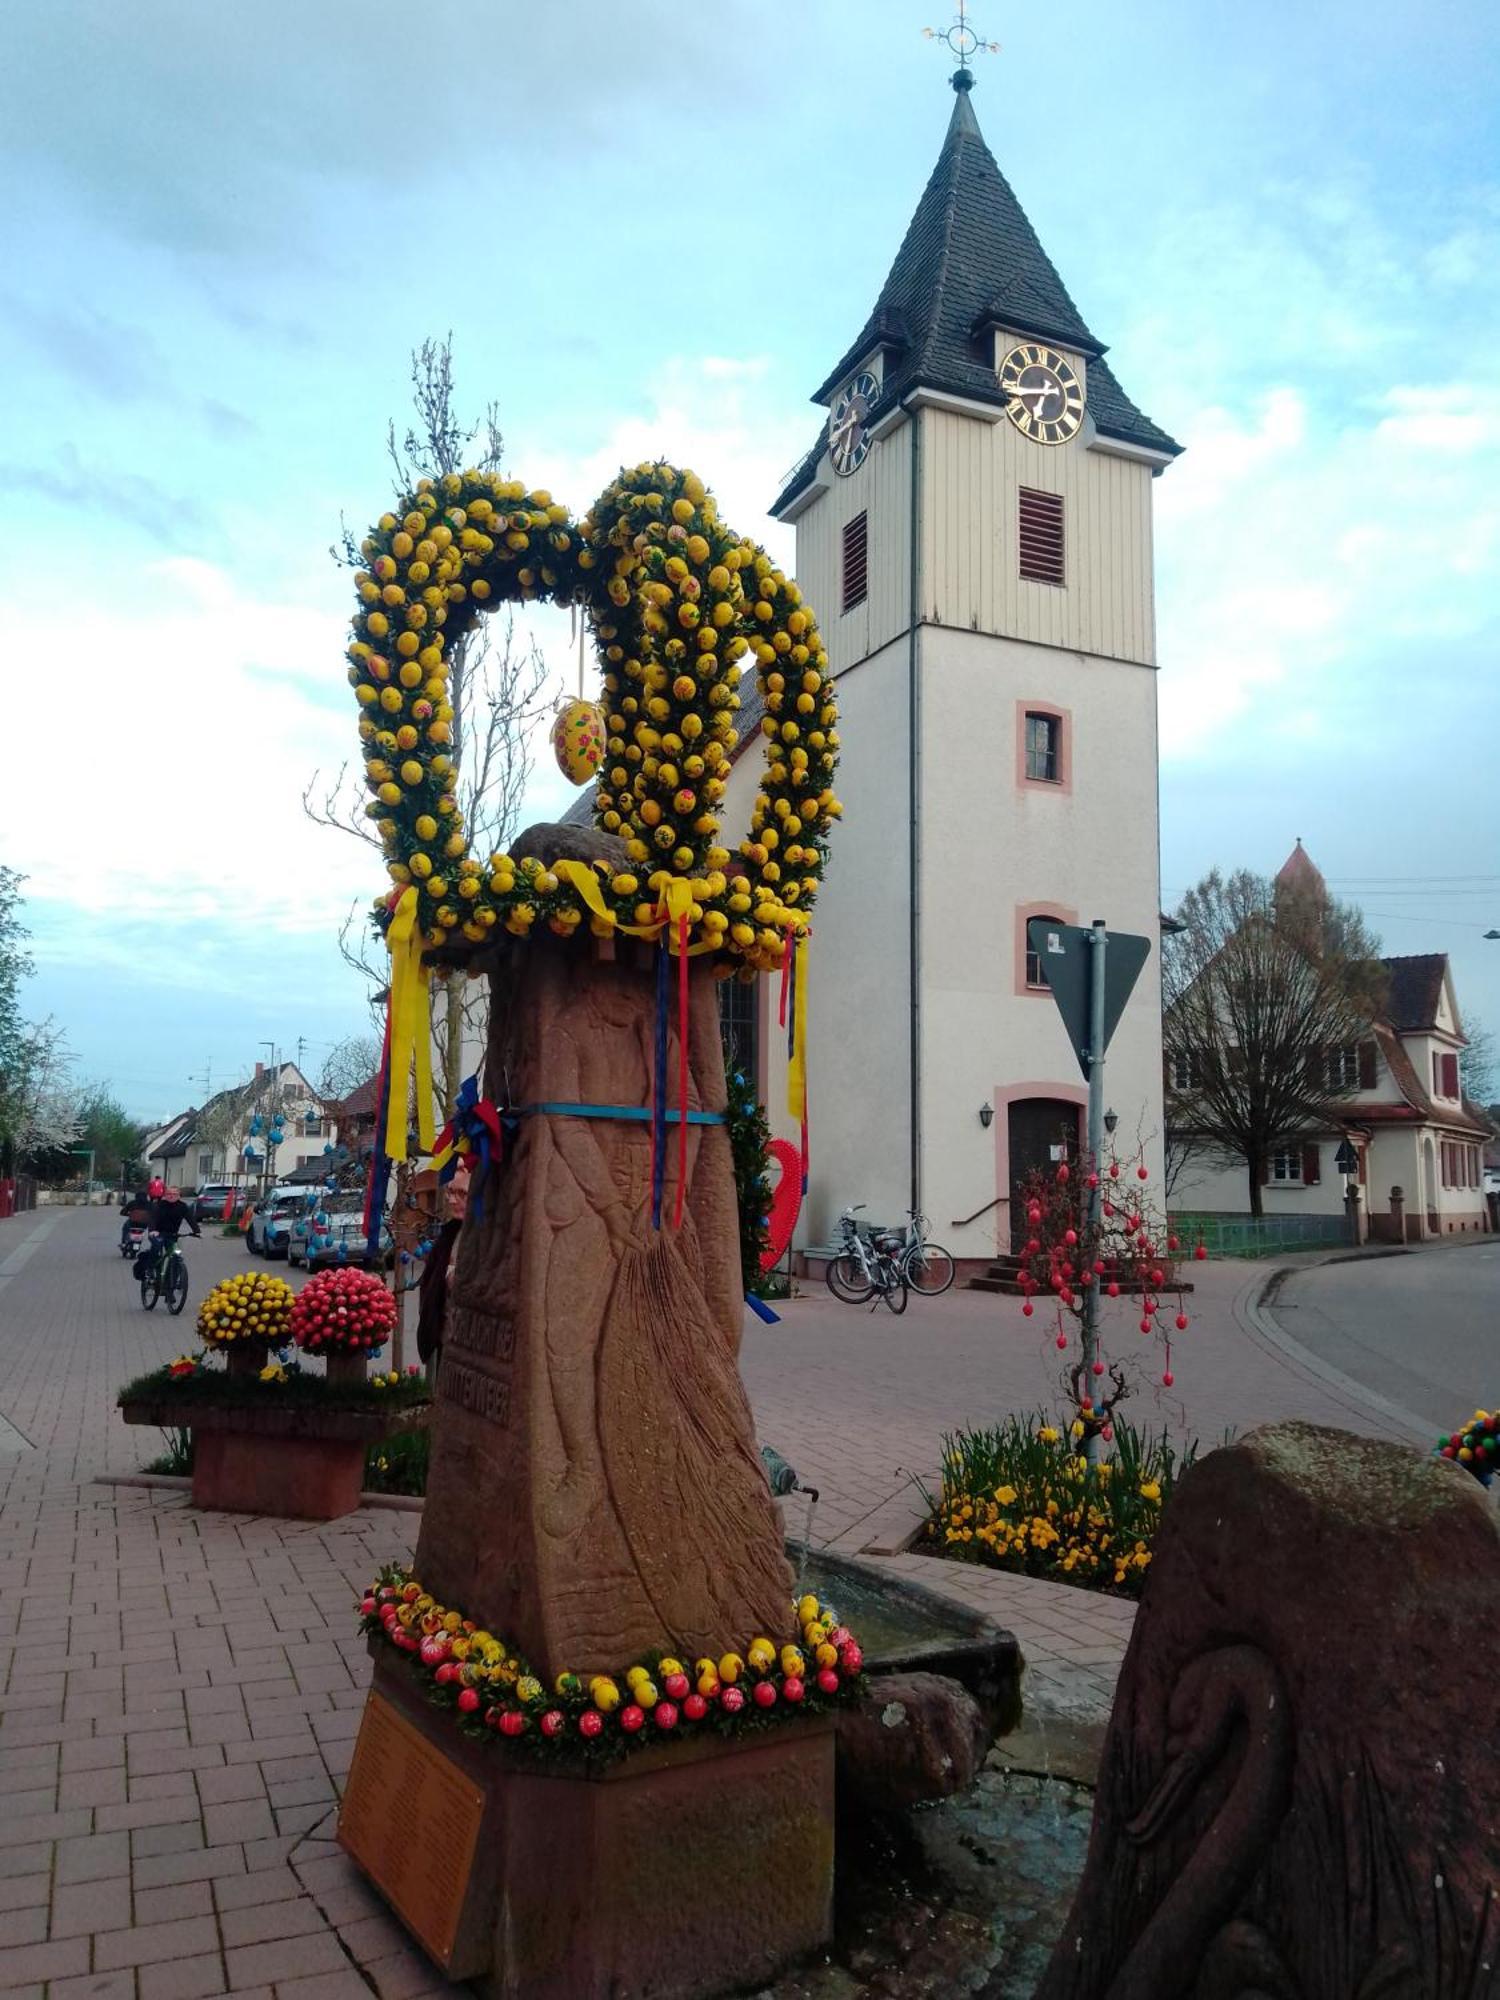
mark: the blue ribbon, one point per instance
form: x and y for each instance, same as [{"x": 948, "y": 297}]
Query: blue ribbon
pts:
[
  {"x": 762, "y": 1310},
  {"x": 380, "y": 1168}
]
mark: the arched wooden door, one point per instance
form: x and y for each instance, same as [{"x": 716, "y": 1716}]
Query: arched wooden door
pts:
[{"x": 1042, "y": 1133}]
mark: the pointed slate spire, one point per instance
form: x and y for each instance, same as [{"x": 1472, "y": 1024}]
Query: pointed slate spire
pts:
[{"x": 970, "y": 260}]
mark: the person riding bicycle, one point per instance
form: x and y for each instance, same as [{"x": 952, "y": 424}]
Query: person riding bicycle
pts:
[
  {"x": 168, "y": 1215},
  {"x": 136, "y": 1209}
]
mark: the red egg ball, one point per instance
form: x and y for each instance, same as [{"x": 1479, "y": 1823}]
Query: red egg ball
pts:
[
  {"x": 631, "y": 1717},
  {"x": 792, "y": 1687},
  {"x": 731, "y": 1700},
  {"x": 553, "y": 1722},
  {"x": 828, "y": 1680},
  {"x": 664, "y": 1715},
  {"x": 695, "y": 1707},
  {"x": 468, "y": 1701},
  {"x": 1181, "y": 1322},
  {"x": 676, "y": 1686},
  {"x": 763, "y": 1694},
  {"x": 851, "y": 1659},
  {"x": 1062, "y": 1340},
  {"x": 1141, "y": 1174},
  {"x": 366, "y": 1606},
  {"x": 590, "y": 1722},
  {"x": 1168, "y": 1379},
  {"x": 512, "y": 1722},
  {"x": 1201, "y": 1252},
  {"x": 1098, "y": 1367},
  {"x": 1028, "y": 1309}
]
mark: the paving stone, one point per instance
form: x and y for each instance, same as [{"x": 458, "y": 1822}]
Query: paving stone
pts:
[
  {"x": 183, "y": 1978},
  {"x": 325, "y": 1986},
  {"x": 283, "y": 1919},
  {"x": 182, "y": 1899},
  {"x": 94, "y": 1986},
  {"x": 21, "y": 1892},
  {"x": 238, "y": 1892},
  {"x": 28, "y": 1926},
  {"x": 93, "y": 1857},
  {"x": 149, "y": 1944},
  {"x": 160, "y": 1871},
  {"x": 82, "y": 1907},
  {"x": 285, "y": 1958},
  {"x": 58, "y": 1959}
]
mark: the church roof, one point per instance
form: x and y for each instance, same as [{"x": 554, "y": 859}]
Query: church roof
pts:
[
  {"x": 970, "y": 260},
  {"x": 1300, "y": 871}
]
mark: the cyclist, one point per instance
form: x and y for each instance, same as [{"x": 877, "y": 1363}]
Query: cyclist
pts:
[
  {"x": 136, "y": 1209},
  {"x": 168, "y": 1214}
]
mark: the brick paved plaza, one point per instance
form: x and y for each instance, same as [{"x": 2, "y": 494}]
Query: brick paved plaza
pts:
[{"x": 179, "y": 1692}]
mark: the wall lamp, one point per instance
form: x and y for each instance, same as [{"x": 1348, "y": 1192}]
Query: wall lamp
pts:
[
  {"x": 1111, "y": 1120},
  {"x": 986, "y": 1115}
]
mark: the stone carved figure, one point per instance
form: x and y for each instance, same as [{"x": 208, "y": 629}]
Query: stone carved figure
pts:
[
  {"x": 1293, "y": 1800},
  {"x": 595, "y": 1489}
]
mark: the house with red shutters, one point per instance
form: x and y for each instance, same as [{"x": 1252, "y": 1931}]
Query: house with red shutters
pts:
[{"x": 1418, "y": 1144}]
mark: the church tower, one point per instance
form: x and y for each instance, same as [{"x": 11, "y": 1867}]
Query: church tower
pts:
[{"x": 974, "y": 528}]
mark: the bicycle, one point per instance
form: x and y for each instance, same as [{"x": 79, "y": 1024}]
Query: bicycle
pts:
[
  {"x": 926, "y": 1267},
  {"x": 867, "y": 1268},
  {"x": 165, "y": 1277}
]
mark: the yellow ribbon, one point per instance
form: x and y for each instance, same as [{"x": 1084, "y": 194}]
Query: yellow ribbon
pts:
[
  {"x": 796, "y": 1070},
  {"x": 411, "y": 1030}
]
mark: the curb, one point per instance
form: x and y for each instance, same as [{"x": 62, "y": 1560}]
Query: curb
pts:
[
  {"x": 170, "y": 1482},
  {"x": 1252, "y": 1309}
]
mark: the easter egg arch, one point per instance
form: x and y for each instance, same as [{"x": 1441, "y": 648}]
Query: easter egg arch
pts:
[{"x": 677, "y": 603}]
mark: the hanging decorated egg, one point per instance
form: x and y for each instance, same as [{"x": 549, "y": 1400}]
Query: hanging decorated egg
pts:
[{"x": 578, "y": 740}]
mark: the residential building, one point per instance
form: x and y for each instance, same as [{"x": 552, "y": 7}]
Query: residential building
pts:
[{"x": 215, "y": 1141}]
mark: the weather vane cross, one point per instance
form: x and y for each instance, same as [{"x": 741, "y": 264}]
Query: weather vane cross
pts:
[{"x": 962, "y": 40}]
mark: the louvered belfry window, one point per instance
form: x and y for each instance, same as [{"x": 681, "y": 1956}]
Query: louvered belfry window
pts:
[
  {"x": 1041, "y": 518},
  {"x": 856, "y": 562}
]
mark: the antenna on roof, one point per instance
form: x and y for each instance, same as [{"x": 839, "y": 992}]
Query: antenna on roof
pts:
[{"x": 962, "y": 40}]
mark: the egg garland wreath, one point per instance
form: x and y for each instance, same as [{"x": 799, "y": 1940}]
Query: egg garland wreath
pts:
[
  {"x": 1475, "y": 1446},
  {"x": 251, "y": 1306},
  {"x": 343, "y": 1311},
  {"x": 492, "y": 1693},
  {"x": 676, "y": 602}
]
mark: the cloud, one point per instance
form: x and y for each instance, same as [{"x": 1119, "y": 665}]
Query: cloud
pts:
[
  {"x": 162, "y": 515},
  {"x": 1296, "y": 550}
]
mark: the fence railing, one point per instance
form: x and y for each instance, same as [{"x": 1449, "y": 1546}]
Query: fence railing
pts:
[{"x": 1260, "y": 1236}]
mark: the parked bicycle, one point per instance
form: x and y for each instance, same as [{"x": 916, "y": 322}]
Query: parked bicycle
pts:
[
  {"x": 867, "y": 1267},
  {"x": 926, "y": 1267},
  {"x": 165, "y": 1277}
]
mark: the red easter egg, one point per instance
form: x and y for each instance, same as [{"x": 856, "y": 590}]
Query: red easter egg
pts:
[
  {"x": 664, "y": 1715},
  {"x": 764, "y": 1694},
  {"x": 793, "y": 1688},
  {"x": 676, "y": 1685},
  {"x": 631, "y": 1717},
  {"x": 468, "y": 1701},
  {"x": 1168, "y": 1379},
  {"x": 1028, "y": 1309},
  {"x": 695, "y": 1708},
  {"x": 590, "y": 1722},
  {"x": 512, "y": 1722},
  {"x": 851, "y": 1659},
  {"x": 1062, "y": 1340},
  {"x": 731, "y": 1700},
  {"x": 366, "y": 1606},
  {"x": 552, "y": 1722},
  {"x": 828, "y": 1680},
  {"x": 1181, "y": 1322}
]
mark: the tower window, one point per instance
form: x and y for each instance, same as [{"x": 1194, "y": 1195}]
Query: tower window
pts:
[
  {"x": 856, "y": 562},
  {"x": 1036, "y": 979},
  {"x": 1041, "y": 535},
  {"x": 1043, "y": 748}
]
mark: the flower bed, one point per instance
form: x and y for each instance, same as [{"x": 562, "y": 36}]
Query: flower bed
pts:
[
  {"x": 493, "y": 1694},
  {"x": 1018, "y": 1496},
  {"x": 191, "y": 1384}
]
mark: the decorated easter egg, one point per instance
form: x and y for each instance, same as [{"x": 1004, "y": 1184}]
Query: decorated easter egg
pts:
[{"x": 578, "y": 740}]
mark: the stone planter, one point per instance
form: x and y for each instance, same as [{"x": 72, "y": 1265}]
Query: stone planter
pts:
[
  {"x": 679, "y": 1871},
  {"x": 300, "y": 1462}
]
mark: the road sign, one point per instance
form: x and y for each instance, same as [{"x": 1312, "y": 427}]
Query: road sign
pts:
[
  {"x": 1346, "y": 1160},
  {"x": 1065, "y": 952}
]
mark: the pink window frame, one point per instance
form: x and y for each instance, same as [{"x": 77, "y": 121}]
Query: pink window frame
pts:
[
  {"x": 1024, "y": 912},
  {"x": 1063, "y": 717}
]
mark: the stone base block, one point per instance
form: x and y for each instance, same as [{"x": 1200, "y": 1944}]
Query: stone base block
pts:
[
  {"x": 304, "y": 1478},
  {"x": 675, "y": 1874}
]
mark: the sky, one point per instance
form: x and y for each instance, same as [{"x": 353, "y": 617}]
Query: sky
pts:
[{"x": 652, "y": 230}]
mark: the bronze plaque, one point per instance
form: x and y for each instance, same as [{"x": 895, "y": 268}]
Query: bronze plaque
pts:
[{"x": 411, "y": 1818}]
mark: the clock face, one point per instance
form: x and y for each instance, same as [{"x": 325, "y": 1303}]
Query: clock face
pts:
[
  {"x": 1046, "y": 397},
  {"x": 848, "y": 427}
]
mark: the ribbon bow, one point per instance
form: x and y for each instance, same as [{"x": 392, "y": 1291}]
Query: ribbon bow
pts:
[{"x": 476, "y": 1130}]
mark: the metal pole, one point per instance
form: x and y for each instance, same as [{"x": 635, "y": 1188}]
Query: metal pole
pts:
[{"x": 1098, "y": 939}]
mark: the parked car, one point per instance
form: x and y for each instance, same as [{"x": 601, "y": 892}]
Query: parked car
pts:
[
  {"x": 271, "y": 1219},
  {"x": 208, "y": 1202},
  {"x": 332, "y": 1231}
]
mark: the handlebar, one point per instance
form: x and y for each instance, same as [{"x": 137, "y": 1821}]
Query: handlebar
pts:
[{"x": 857, "y": 1208}]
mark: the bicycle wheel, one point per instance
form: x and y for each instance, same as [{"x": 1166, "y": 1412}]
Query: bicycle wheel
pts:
[
  {"x": 177, "y": 1286},
  {"x": 846, "y": 1279},
  {"x": 150, "y": 1289},
  {"x": 928, "y": 1269},
  {"x": 895, "y": 1293}
]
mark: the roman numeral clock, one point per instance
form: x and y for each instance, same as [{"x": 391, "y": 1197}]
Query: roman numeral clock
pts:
[{"x": 1046, "y": 396}]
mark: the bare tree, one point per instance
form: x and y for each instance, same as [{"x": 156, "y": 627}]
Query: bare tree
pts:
[
  {"x": 495, "y": 683},
  {"x": 1263, "y": 989},
  {"x": 348, "y": 1064}
]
